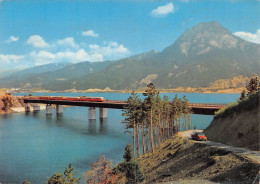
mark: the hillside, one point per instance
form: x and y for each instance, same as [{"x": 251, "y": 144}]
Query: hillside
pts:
[
  {"x": 51, "y": 77},
  {"x": 179, "y": 159},
  {"x": 201, "y": 56},
  {"x": 15, "y": 102},
  {"x": 238, "y": 125}
]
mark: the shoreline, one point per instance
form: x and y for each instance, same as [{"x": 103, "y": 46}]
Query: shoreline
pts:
[{"x": 175, "y": 90}]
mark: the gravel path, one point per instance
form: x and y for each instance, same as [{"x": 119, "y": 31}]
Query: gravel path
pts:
[{"x": 254, "y": 155}]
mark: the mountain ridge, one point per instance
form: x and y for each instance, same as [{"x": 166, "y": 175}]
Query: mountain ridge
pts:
[{"x": 201, "y": 55}]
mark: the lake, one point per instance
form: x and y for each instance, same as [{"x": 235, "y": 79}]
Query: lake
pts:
[{"x": 33, "y": 146}]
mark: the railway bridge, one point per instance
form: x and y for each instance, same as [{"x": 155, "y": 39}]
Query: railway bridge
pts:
[{"x": 197, "y": 108}]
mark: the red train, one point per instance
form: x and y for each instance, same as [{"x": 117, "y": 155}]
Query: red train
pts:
[{"x": 82, "y": 98}]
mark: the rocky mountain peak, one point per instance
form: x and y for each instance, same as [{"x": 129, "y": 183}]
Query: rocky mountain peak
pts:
[{"x": 204, "y": 37}]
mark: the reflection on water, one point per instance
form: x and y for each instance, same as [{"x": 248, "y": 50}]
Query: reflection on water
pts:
[
  {"x": 103, "y": 126},
  {"x": 34, "y": 145}
]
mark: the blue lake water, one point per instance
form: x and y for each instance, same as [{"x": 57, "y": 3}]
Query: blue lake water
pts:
[{"x": 33, "y": 146}]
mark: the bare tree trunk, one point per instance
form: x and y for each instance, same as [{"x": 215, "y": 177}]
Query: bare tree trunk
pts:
[
  {"x": 147, "y": 141},
  {"x": 151, "y": 131},
  {"x": 143, "y": 138},
  {"x": 134, "y": 140},
  {"x": 137, "y": 139},
  {"x": 177, "y": 122},
  {"x": 168, "y": 128},
  {"x": 159, "y": 124},
  {"x": 163, "y": 125}
]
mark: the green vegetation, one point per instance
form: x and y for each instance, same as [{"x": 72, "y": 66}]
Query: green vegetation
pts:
[
  {"x": 157, "y": 118},
  {"x": 248, "y": 100},
  {"x": 182, "y": 161},
  {"x": 129, "y": 168},
  {"x": 200, "y": 64},
  {"x": 68, "y": 178}
]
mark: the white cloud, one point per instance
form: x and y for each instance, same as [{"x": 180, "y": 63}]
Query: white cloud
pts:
[
  {"x": 10, "y": 59},
  {"x": 90, "y": 33},
  {"x": 93, "y": 46},
  {"x": 44, "y": 57},
  {"x": 163, "y": 10},
  {"x": 68, "y": 42},
  {"x": 112, "y": 50},
  {"x": 12, "y": 39},
  {"x": 249, "y": 36},
  {"x": 37, "y": 41}
]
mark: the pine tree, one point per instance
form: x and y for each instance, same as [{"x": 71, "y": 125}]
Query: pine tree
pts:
[
  {"x": 70, "y": 174},
  {"x": 68, "y": 178},
  {"x": 132, "y": 113},
  {"x": 150, "y": 93},
  {"x": 253, "y": 85},
  {"x": 243, "y": 95},
  {"x": 128, "y": 156}
]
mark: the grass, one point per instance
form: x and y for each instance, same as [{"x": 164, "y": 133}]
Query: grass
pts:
[{"x": 246, "y": 104}]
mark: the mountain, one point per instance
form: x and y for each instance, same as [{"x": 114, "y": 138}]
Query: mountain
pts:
[
  {"x": 202, "y": 55},
  {"x": 36, "y": 70},
  {"x": 49, "y": 77}
]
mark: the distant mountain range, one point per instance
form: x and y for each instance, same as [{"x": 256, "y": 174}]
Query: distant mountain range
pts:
[{"x": 201, "y": 55}]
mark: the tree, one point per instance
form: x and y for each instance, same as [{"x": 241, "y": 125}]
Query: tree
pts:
[
  {"x": 253, "y": 85},
  {"x": 128, "y": 156},
  {"x": 8, "y": 102},
  {"x": 150, "y": 93},
  {"x": 68, "y": 178},
  {"x": 57, "y": 178},
  {"x": 101, "y": 172},
  {"x": 243, "y": 95},
  {"x": 130, "y": 168},
  {"x": 70, "y": 174}
]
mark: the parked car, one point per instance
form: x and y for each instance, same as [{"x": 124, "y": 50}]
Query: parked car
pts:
[{"x": 198, "y": 136}]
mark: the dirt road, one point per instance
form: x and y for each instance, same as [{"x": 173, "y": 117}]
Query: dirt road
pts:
[{"x": 254, "y": 155}]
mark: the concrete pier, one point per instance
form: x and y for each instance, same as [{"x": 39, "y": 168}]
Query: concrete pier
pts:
[
  {"x": 27, "y": 108},
  {"x": 48, "y": 109},
  {"x": 59, "y": 109},
  {"x": 36, "y": 107},
  {"x": 91, "y": 113},
  {"x": 102, "y": 113}
]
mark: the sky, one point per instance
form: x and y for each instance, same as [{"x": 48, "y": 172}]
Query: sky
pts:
[{"x": 37, "y": 32}]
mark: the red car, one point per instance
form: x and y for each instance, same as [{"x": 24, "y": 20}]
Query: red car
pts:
[{"x": 199, "y": 136}]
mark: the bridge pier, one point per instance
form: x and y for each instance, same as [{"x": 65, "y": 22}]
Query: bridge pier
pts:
[
  {"x": 59, "y": 109},
  {"x": 36, "y": 107},
  {"x": 91, "y": 113},
  {"x": 48, "y": 109},
  {"x": 102, "y": 113},
  {"x": 27, "y": 107}
]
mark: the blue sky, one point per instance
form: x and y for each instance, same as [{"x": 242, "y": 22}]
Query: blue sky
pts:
[{"x": 51, "y": 31}]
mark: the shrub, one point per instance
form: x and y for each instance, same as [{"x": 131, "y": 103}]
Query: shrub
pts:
[{"x": 248, "y": 103}]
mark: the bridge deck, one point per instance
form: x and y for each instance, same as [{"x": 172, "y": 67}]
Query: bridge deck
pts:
[{"x": 197, "y": 108}]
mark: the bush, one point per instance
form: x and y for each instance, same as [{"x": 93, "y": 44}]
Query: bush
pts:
[
  {"x": 130, "y": 168},
  {"x": 248, "y": 103},
  {"x": 132, "y": 171}
]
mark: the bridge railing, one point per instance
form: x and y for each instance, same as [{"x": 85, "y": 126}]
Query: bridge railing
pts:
[{"x": 208, "y": 104}]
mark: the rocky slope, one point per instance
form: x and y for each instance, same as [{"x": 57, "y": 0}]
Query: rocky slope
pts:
[
  {"x": 14, "y": 99},
  {"x": 180, "y": 160},
  {"x": 238, "y": 126}
]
